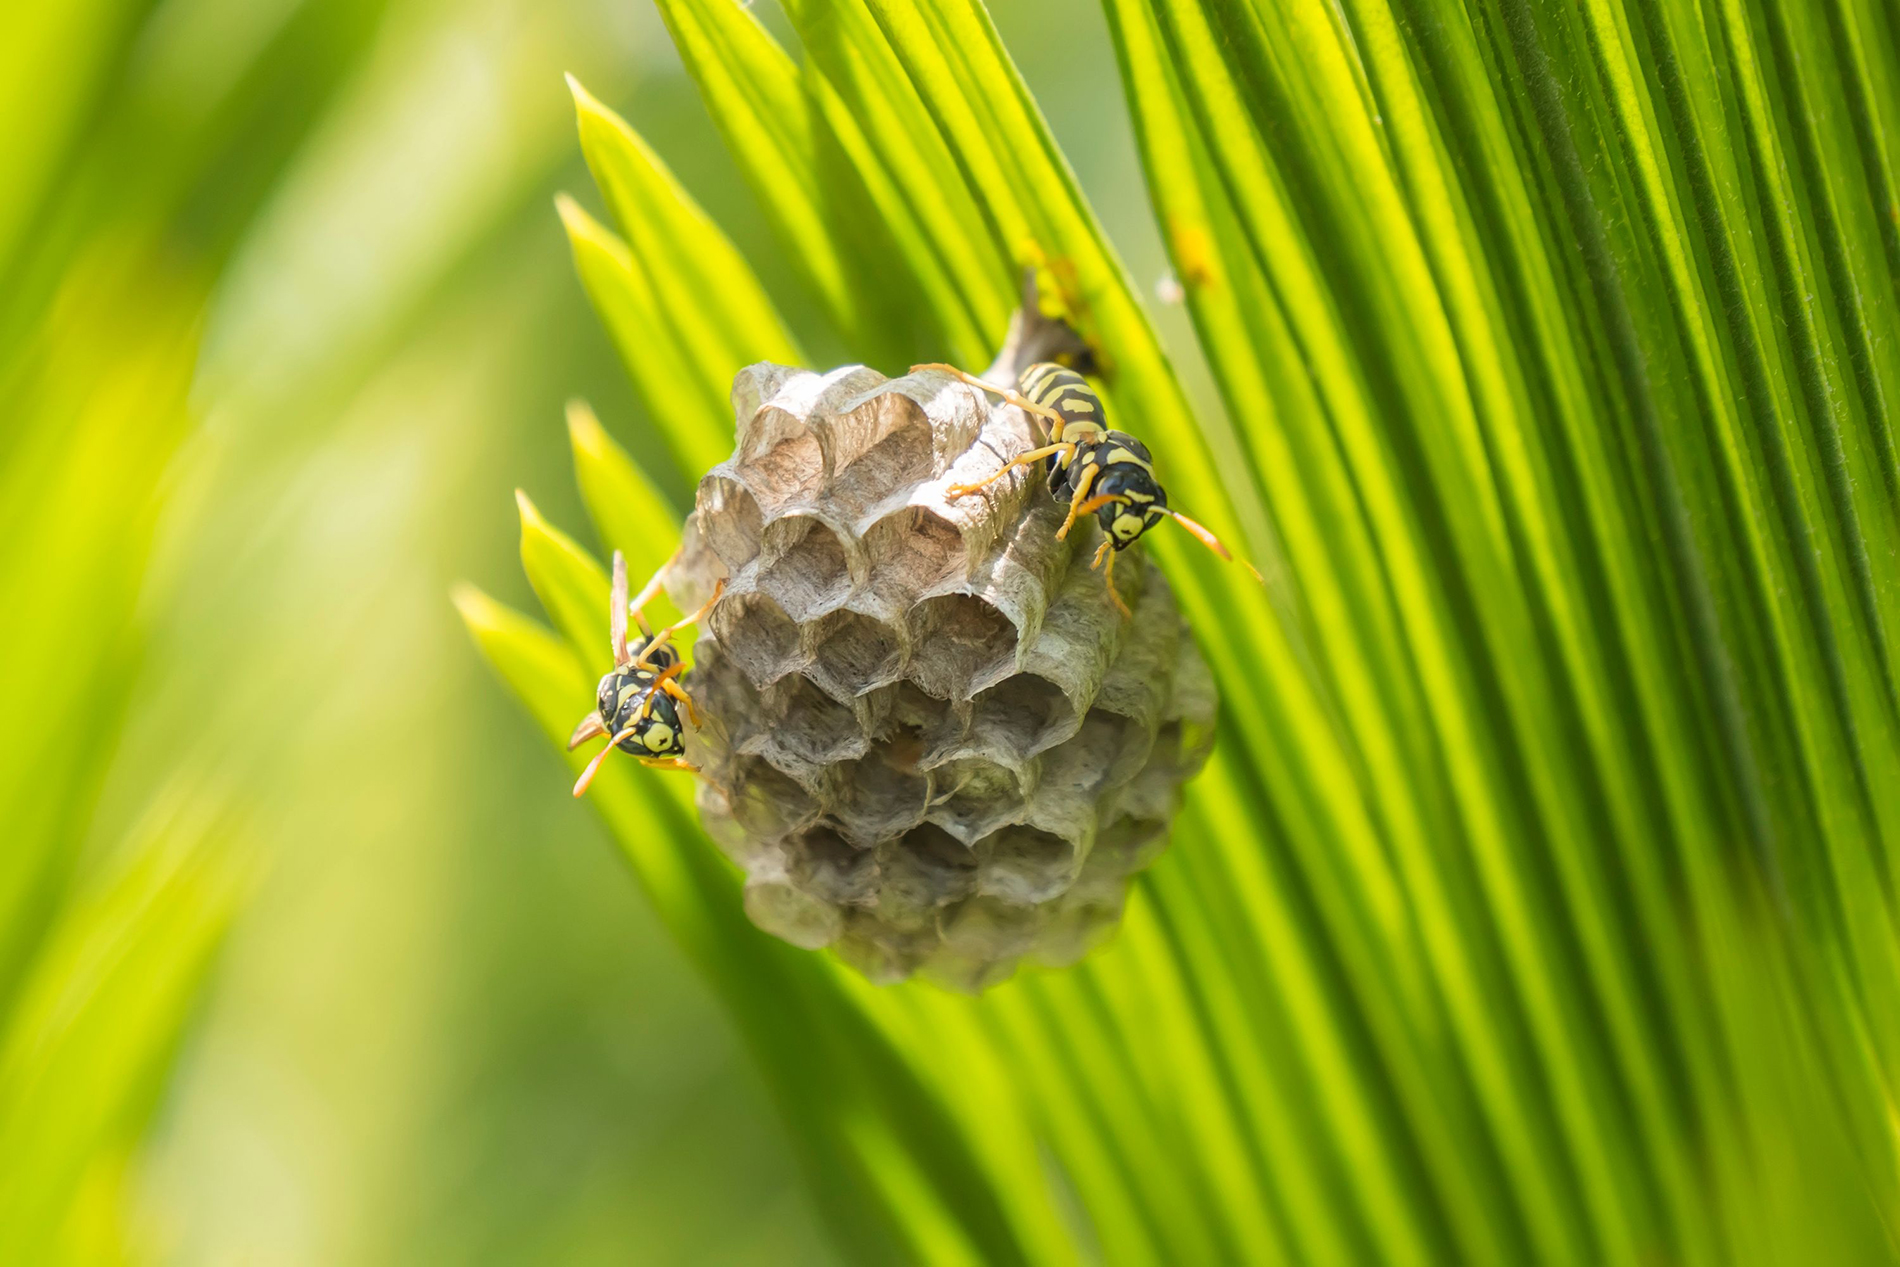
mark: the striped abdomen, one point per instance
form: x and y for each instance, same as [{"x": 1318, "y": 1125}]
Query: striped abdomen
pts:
[{"x": 1067, "y": 393}]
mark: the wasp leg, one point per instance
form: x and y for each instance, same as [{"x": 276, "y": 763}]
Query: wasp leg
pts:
[
  {"x": 639, "y": 601},
  {"x": 1108, "y": 576},
  {"x": 1088, "y": 507},
  {"x": 1081, "y": 503},
  {"x": 660, "y": 639},
  {"x": 678, "y": 692},
  {"x": 659, "y": 685},
  {"x": 669, "y": 763},
  {"x": 1021, "y": 459},
  {"x": 1078, "y": 494},
  {"x": 1009, "y": 394}
]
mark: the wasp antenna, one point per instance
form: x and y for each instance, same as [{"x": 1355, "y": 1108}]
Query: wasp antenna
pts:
[
  {"x": 1206, "y": 538},
  {"x": 617, "y": 610},
  {"x": 593, "y": 767}
]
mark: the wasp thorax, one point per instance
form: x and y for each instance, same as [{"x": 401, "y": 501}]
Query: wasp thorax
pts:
[{"x": 932, "y": 740}]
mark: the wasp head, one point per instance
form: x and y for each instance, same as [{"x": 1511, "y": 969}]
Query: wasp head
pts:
[{"x": 1140, "y": 503}]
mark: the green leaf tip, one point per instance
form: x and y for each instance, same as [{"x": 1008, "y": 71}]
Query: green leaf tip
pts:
[
  {"x": 582, "y": 227},
  {"x": 601, "y": 124},
  {"x": 583, "y": 427},
  {"x": 477, "y": 609},
  {"x": 622, "y": 497},
  {"x": 584, "y": 101}
]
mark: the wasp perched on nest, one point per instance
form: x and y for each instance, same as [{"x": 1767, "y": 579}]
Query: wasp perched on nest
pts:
[
  {"x": 1108, "y": 474},
  {"x": 637, "y": 702}
]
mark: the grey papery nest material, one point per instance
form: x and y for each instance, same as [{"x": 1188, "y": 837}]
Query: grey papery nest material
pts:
[{"x": 930, "y": 739}]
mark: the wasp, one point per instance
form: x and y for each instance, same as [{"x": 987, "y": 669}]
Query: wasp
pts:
[
  {"x": 1097, "y": 471},
  {"x": 638, "y": 702}
]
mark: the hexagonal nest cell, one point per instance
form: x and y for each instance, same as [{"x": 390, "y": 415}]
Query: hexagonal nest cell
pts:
[{"x": 931, "y": 741}]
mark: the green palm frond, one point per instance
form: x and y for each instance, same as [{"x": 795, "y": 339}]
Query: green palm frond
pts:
[
  {"x": 101, "y": 954},
  {"x": 1538, "y": 903},
  {"x": 109, "y": 245}
]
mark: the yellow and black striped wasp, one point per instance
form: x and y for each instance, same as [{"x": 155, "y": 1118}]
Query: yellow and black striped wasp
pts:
[
  {"x": 1109, "y": 474},
  {"x": 637, "y": 702}
]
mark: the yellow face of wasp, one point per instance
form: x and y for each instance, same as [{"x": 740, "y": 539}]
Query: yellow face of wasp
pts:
[
  {"x": 1127, "y": 525},
  {"x": 659, "y": 737}
]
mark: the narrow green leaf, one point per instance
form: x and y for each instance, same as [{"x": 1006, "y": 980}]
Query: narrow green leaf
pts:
[
  {"x": 911, "y": 174},
  {"x": 101, "y": 1014},
  {"x": 791, "y": 157},
  {"x": 95, "y": 401},
  {"x": 628, "y": 510},
  {"x": 571, "y": 585},
  {"x": 681, "y": 252},
  {"x": 687, "y": 408}
]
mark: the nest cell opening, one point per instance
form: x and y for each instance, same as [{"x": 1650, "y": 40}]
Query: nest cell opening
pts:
[
  {"x": 809, "y": 725},
  {"x": 1022, "y": 715},
  {"x": 912, "y": 550},
  {"x": 1082, "y": 924},
  {"x": 883, "y": 953},
  {"x": 928, "y": 729},
  {"x": 975, "y": 798},
  {"x": 902, "y": 746},
  {"x": 921, "y": 873},
  {"x": 990, "y": 928},
  {"x": 827, "y": 866},
  {"x": 875, "y": 800},
  {"x": 730, "y": 520},
  {"x": 1107, "y": 749},
  {"x": 1152, "y": 793},
  {"x": 1125, "y": 846},
  {"x": 793, "y": 466},
  {"x": 729, "y": 704},
  {"x": 807, "y": 574},
  {"x": 853, "y": 654},
  {"x": 766, "y": 801},
  {"x": 899, "y": 461},
  {"x": 1026, "y": 865},
  {"x": 963, "y": 644},
  {"x": 1171, "y": 744},
  {"x": 757, "y": 635}
]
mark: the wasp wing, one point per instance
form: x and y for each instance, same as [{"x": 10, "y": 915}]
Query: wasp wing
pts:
[{"x": 617, "y": 609}]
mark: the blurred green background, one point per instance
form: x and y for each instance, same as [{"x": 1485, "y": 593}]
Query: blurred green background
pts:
[{"x": 445, "y": 1027}]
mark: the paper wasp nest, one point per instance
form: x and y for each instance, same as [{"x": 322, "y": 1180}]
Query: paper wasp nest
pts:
[{"x": 931, "y": 741}]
